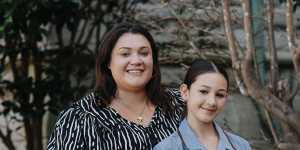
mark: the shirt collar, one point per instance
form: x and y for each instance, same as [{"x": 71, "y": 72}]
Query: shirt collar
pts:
[
  {"x": 223, "y": 139},
  {"x": 189, "y": 136},
  {"x": 191, "y": 139}
]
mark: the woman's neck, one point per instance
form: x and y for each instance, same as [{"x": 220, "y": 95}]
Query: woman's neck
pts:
[
  {"x": 133, "y": 106},
  {"x": 135, "y": 98}
]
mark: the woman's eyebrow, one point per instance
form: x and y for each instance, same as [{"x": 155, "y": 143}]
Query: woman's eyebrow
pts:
[{"x": 125, "y": 48}]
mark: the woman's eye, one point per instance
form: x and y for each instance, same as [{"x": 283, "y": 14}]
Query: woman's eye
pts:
[
  {"x": 125, "y": 54},
  {"x": 144, "y": 52}
]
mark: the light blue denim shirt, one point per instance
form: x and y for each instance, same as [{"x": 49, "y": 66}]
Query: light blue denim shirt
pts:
[{"x": 173, "y": 142}]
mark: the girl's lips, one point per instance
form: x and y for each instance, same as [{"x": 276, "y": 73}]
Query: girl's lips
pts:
[{"x": 209, "y": 109}]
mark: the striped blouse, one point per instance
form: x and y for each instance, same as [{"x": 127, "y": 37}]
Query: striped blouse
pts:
[{"x": 84, "y": 125}]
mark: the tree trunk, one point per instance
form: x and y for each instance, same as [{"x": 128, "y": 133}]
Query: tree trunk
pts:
[
  {"x": 37, "y": 132},
  {"x": 7, "y": 140},
  {"x": 33, "y": 130}
]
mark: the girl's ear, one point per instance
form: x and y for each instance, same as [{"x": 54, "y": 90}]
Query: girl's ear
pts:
[{"x": 184, "y": 92}]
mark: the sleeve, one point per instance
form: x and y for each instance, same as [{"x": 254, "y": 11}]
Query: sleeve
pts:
[
  {"x": 177, "y": 102},
  {"x": 159, "y": 147},
  {"x": 67, "y": 132},
  {"x": 247, "y": 146},
  {"x": 170, "y": 143},
  {"x": 240, "y": 142},
  {"x": 175, "y": 96}
]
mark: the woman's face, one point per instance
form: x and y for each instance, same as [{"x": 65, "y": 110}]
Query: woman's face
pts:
[
  {"x": 206, "y": 97},
  {"x": 131, "y": 62}
]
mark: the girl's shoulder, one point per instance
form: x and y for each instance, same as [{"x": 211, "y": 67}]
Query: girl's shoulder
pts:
[
  {"x": 238, "y": 141},
  {"x": 172, "y": 142}
]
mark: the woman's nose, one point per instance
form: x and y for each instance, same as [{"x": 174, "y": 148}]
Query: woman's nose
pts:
[{"x": 136, "y": 60}]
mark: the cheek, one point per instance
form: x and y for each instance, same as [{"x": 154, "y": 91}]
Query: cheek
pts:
[
  {"x": 149, "y": 61},
  {"x": 150, "y": 65},
  {"x": 221, "y": 103},
  {"x": 195, "y": 101},
  {"x": 117, "y": 63}
]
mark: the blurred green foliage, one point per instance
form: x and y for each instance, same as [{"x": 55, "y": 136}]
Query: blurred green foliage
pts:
[
  {"x": 48, "y": 48},
  {"x": 296, "y": 3}
]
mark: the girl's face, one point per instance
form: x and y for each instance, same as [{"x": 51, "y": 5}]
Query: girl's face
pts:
[
  {"x": 206, "y": 97},
  {"x": 131, "y": 62}
]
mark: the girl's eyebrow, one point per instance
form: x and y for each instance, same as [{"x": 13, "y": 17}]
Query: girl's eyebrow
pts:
[
  {"x": 128, "y": 48},
  {"x": 206, "y": 86},
  {"x": 222, "y": 90}
]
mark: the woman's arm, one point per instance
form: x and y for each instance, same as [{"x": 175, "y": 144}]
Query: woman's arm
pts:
[{"x": 67, "y": 132}]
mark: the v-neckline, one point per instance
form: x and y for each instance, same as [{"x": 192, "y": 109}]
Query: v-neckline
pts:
[{"x": 131, "y": 123}]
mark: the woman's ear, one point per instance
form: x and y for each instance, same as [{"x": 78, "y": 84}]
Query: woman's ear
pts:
[{"x": 184, "y": 92}]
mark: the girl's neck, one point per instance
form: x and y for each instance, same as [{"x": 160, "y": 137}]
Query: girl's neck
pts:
[{"x": 202, "y": 130}]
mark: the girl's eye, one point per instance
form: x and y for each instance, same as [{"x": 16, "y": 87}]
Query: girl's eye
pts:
[
  {"x": 203, "y": 91},
  {"x": 221, "y": 95}
]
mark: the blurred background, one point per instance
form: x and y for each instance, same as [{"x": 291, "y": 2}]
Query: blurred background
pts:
[{"x": 48, "y": 49}]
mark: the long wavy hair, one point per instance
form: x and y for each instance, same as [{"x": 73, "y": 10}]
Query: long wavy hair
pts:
[{"x": 106, "y": 86}]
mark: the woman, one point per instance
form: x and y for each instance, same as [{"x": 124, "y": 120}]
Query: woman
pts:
[
  {"x": 128, "y": 109},
  {"x": 205, "y": 90}
]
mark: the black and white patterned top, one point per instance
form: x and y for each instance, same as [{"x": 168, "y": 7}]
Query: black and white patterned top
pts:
[{"x": 87, "y": 126}]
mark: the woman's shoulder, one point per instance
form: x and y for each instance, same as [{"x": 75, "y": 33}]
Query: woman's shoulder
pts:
[
  {"x": 238, "y": 141},
  {"x": 86, "y": 110},
  {"x": 173, "y": 92},
  {"x": 78, "y": 109},
  {"x": 74, "y": 121},
  {"x": 175, "y": 96},
  {"x": 86, "y": 106},
  {"x": 171, "y": 142}
]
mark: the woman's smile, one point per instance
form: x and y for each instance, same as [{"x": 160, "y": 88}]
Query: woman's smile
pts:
[{"x": 135, "y": 71}]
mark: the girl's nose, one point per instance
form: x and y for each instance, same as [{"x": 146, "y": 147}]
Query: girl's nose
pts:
[{"x": 211, "y": 101}]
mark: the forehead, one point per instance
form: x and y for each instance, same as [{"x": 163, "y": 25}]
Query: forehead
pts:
[
  {"x": 132, "y": 40},
  {"x": 213, "y": 80}
]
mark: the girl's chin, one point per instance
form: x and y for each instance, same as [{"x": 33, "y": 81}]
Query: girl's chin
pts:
[{"x": 206, "y": 118}]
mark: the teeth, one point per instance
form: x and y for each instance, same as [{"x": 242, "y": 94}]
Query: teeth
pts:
[{"x": 134, "y": 71}]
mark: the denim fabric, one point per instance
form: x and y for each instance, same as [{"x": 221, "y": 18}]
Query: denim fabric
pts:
[{"x": 173, "y": 142}]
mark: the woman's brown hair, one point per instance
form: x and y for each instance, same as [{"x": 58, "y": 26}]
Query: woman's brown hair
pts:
[{"x": 105, "y": 84}]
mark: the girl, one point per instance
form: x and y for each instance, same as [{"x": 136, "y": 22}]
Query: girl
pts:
[{"x": 205, "y": 91}]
